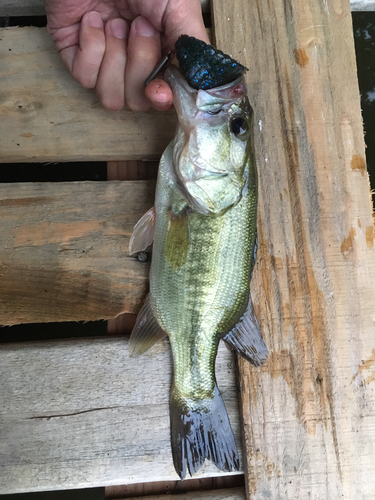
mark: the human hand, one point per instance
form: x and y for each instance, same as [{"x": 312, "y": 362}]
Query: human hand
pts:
[{"x": 113, "y": 45}]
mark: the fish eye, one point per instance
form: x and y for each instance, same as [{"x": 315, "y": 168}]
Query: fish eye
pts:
[{"x": 240, "y": 128}]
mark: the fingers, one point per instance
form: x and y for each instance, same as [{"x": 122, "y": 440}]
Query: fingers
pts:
[
  {"x": 144, "y": 53},
  {"x": 110, "y": 85},
  {"x": 159, "y": 93},
  {"x": 100, "y": 57},
  {"x": 184, "y": 18},
  {"x": 88, "y": 57}
]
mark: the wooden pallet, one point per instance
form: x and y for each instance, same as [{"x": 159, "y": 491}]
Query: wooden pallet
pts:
[{"x": 308, "y": 414}]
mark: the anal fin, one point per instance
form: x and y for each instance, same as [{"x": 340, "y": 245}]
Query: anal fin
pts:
[
  {"x": 246, "y": 338},
  {"x": 146, "y": 331}
]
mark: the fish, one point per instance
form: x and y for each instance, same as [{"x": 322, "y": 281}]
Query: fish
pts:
[{"x": 203, "y": 232}]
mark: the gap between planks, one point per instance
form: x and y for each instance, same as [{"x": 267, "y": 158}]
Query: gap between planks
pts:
[
  {"x": 216, "y": 494},
  {"x": 203, "y": 486}
]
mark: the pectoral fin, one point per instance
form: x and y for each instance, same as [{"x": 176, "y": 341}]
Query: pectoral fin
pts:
[
  {"x": 246, "y": 338},
  {"x": 146, "y": 331},
  {"x": 143, "y": 232}
]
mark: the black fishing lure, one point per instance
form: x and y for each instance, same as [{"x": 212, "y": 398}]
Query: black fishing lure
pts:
[{"x": 205, "y": 67}]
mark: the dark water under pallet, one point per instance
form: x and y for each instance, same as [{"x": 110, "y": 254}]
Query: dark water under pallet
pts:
[{"x": 364, "y": 37}]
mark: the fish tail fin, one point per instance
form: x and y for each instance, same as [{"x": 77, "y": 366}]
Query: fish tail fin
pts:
[{"x": 201, "y": 430}]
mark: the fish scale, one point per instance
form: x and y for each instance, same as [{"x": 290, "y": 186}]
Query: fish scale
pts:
[{"x": 216, "y": 273}]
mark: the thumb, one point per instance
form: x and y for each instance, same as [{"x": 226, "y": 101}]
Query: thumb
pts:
[{"x": 184, "y": 18}]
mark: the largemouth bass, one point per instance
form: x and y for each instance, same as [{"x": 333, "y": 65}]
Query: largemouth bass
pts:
[{"x": 203, "y": 229}]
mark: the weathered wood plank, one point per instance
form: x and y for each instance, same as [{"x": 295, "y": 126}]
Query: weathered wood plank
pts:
[
  {"x": 45, "y": 115},
  {"x": 64, "y": 250},
  {"x": 83, "y": 413},
  {"x": 36, "y": 7},
  {"x": 309, "y": 413},
  {"x": 225, "y": 494}
]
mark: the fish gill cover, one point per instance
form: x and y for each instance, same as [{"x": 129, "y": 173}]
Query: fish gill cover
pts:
[{"x": 205, "y": 67}]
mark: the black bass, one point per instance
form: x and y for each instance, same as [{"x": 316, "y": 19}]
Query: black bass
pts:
[{"x": 203, "y": 229}]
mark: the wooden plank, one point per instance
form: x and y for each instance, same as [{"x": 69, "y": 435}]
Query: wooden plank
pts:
[
  {"x": 309, "y": 413},
  {"x": 9, "y": 8},
  {"x": 84, "y": 414},
  {"x": 45, "y": 115},
  {"x": 225, "y": 494},
  {"x": 64, "y": 250}
]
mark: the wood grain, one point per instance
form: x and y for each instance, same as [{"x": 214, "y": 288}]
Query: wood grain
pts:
[
  {"x": 45, "y": 115},
  {"x": 309, "y": 413},
  {"x": 84, "y": 414},
  {"x": 64, "y": 250}
]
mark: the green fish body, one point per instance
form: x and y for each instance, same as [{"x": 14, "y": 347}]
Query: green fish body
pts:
[{"x": 203, "y": 229}]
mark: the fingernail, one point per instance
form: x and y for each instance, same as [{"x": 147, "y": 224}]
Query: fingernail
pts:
[
  {"x": 144, "y": 27},
  {"x": 119, "y": 28},
  {"x": 95, "y": 20}
]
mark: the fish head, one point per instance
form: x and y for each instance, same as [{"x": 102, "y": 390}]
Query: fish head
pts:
[{"x": 213, "y": 145}]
